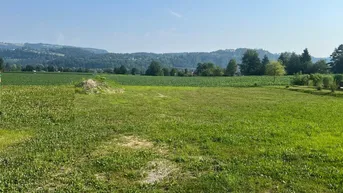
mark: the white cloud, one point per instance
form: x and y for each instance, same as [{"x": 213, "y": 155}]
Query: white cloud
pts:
[{"x": 175, "y": 14}]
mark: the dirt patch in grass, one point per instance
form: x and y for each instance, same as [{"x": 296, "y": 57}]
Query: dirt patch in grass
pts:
[
  {"x": 101, "y": 177},
  {"x": 135, "y": 143},
  {"x": 132, "y": 142},
  {"x": 114, "y": 91},
  {"x": 161, "y": 95},
  {"x": 158, "y": 170}
]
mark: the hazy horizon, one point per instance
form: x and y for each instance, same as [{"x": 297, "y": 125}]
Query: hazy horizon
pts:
[{"x": 176, "y": 26}]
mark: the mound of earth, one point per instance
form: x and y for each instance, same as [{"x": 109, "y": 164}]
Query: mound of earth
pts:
[{"x": 94, "y": 86}]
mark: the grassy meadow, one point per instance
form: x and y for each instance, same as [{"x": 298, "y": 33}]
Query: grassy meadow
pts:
[
  {"x": 66, "y": 78},
  {"x": 154, "y": 138}
]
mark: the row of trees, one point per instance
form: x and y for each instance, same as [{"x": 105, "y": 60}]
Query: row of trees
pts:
[
  {"x": 293, "y": 63},
  {"x": 250, "y": 64},
  {"x": 288, "y": 63},
  {"x": 1, "y": 65},
  {"x": 303, "y": 63},
  {"x": 274, "y": 68},
  {"x": 155, "y": 69}
]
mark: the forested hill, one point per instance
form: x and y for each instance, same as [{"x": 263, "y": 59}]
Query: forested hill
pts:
[{"x": 67, "y": 56}]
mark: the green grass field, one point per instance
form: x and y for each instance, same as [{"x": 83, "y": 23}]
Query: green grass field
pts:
[
  {"x": 66, "y": 78},
  {"x": 42, "y": 78},
  {"x": 169, "y": 139}
]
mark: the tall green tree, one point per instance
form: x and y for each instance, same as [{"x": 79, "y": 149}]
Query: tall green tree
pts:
[
  {"x": 305, "y": 56},
  {"x": 275, "y": 68},
  {"x": 39, "y": 67},
  {"x": 2, "y": 65},
  {"x": 122, "y": 70},
  {"x": 166, "y": 72},
  {"x": 306, "y": 61},
  {"x": 7, "y": 67},
  {"x": 154, "y": 69},
  {"x": 52, "y": 68},
  {"x": 284, "y": 58},
  {"x": 337, "y": 60},
  {"x": 180, "y": 73},
  {"x": 134, "y": 71},
  {"x": 218, "y": 71},
  {"x": 264, "y": 62},
  {"x": 116, "y": 70},
  {"x": 319, "y": 67},
  {"x": 186, "y": 72},
  {"x": 173, "y": 72},
  {"x": 205, "y": 69},
  {"x": 231, "y": 68},
  {"x": 28, "y": 68},
  {"x": 251, "y": 63},
  {"x": 294, "y": 64}
]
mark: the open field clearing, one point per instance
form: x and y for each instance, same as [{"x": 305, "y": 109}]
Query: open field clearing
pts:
[
  {"x": 41, "y": 78},
  {"x": 175, "y": 139},
  {"x": 66, "y": 78},
  {"x": 237, "y": 81}
]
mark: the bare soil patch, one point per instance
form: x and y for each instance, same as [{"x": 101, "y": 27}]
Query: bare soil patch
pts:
[{"x": 158, "y": 170}]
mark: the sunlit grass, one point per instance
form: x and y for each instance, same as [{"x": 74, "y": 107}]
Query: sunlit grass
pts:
[
  {"x": 10, "y": 137},
  {"x": 209, "y": 139}
]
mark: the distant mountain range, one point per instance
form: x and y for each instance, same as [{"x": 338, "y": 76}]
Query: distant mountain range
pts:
[
  {"x": 41, "y": 46},
  {"x": 69, "y": 56}
]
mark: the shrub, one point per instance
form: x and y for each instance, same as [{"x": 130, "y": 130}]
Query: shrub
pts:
[
  {"x": 333, "y": 86},
  {"x": 306, "y": 80},
  {"x": 299, "y": 79},
  {"x": 338, "y": 79},
  {"x": 100, "y": 78},
  {"x": 319, "y": 87},
  {"x": 327, "y": 81},
  {"x": 317, "y": 79}
]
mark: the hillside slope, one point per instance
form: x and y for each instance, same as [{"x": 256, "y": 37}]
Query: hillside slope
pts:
[{"x": 68, "y": 56}]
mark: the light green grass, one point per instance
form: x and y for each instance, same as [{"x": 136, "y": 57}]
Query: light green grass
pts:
[
  {"x": 313, "y": 90},
  {"x": 10, "y": 137},
  {"x": 216, "y": 139}
]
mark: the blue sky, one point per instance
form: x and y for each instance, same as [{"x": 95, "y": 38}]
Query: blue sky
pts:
[{"x": 178, "y": 25}]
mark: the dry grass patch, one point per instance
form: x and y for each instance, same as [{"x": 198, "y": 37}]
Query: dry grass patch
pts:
[
  {"x": 135, "y": 143},
  {"x": 131, "y": 142},
  {"x": 101, "y": 177},
  {"x": 161, "y": 95},
  {"x": 158, "y": 170}
]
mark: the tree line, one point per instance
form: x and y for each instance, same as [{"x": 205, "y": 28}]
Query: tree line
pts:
[{"x": 251, "y": 64}]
